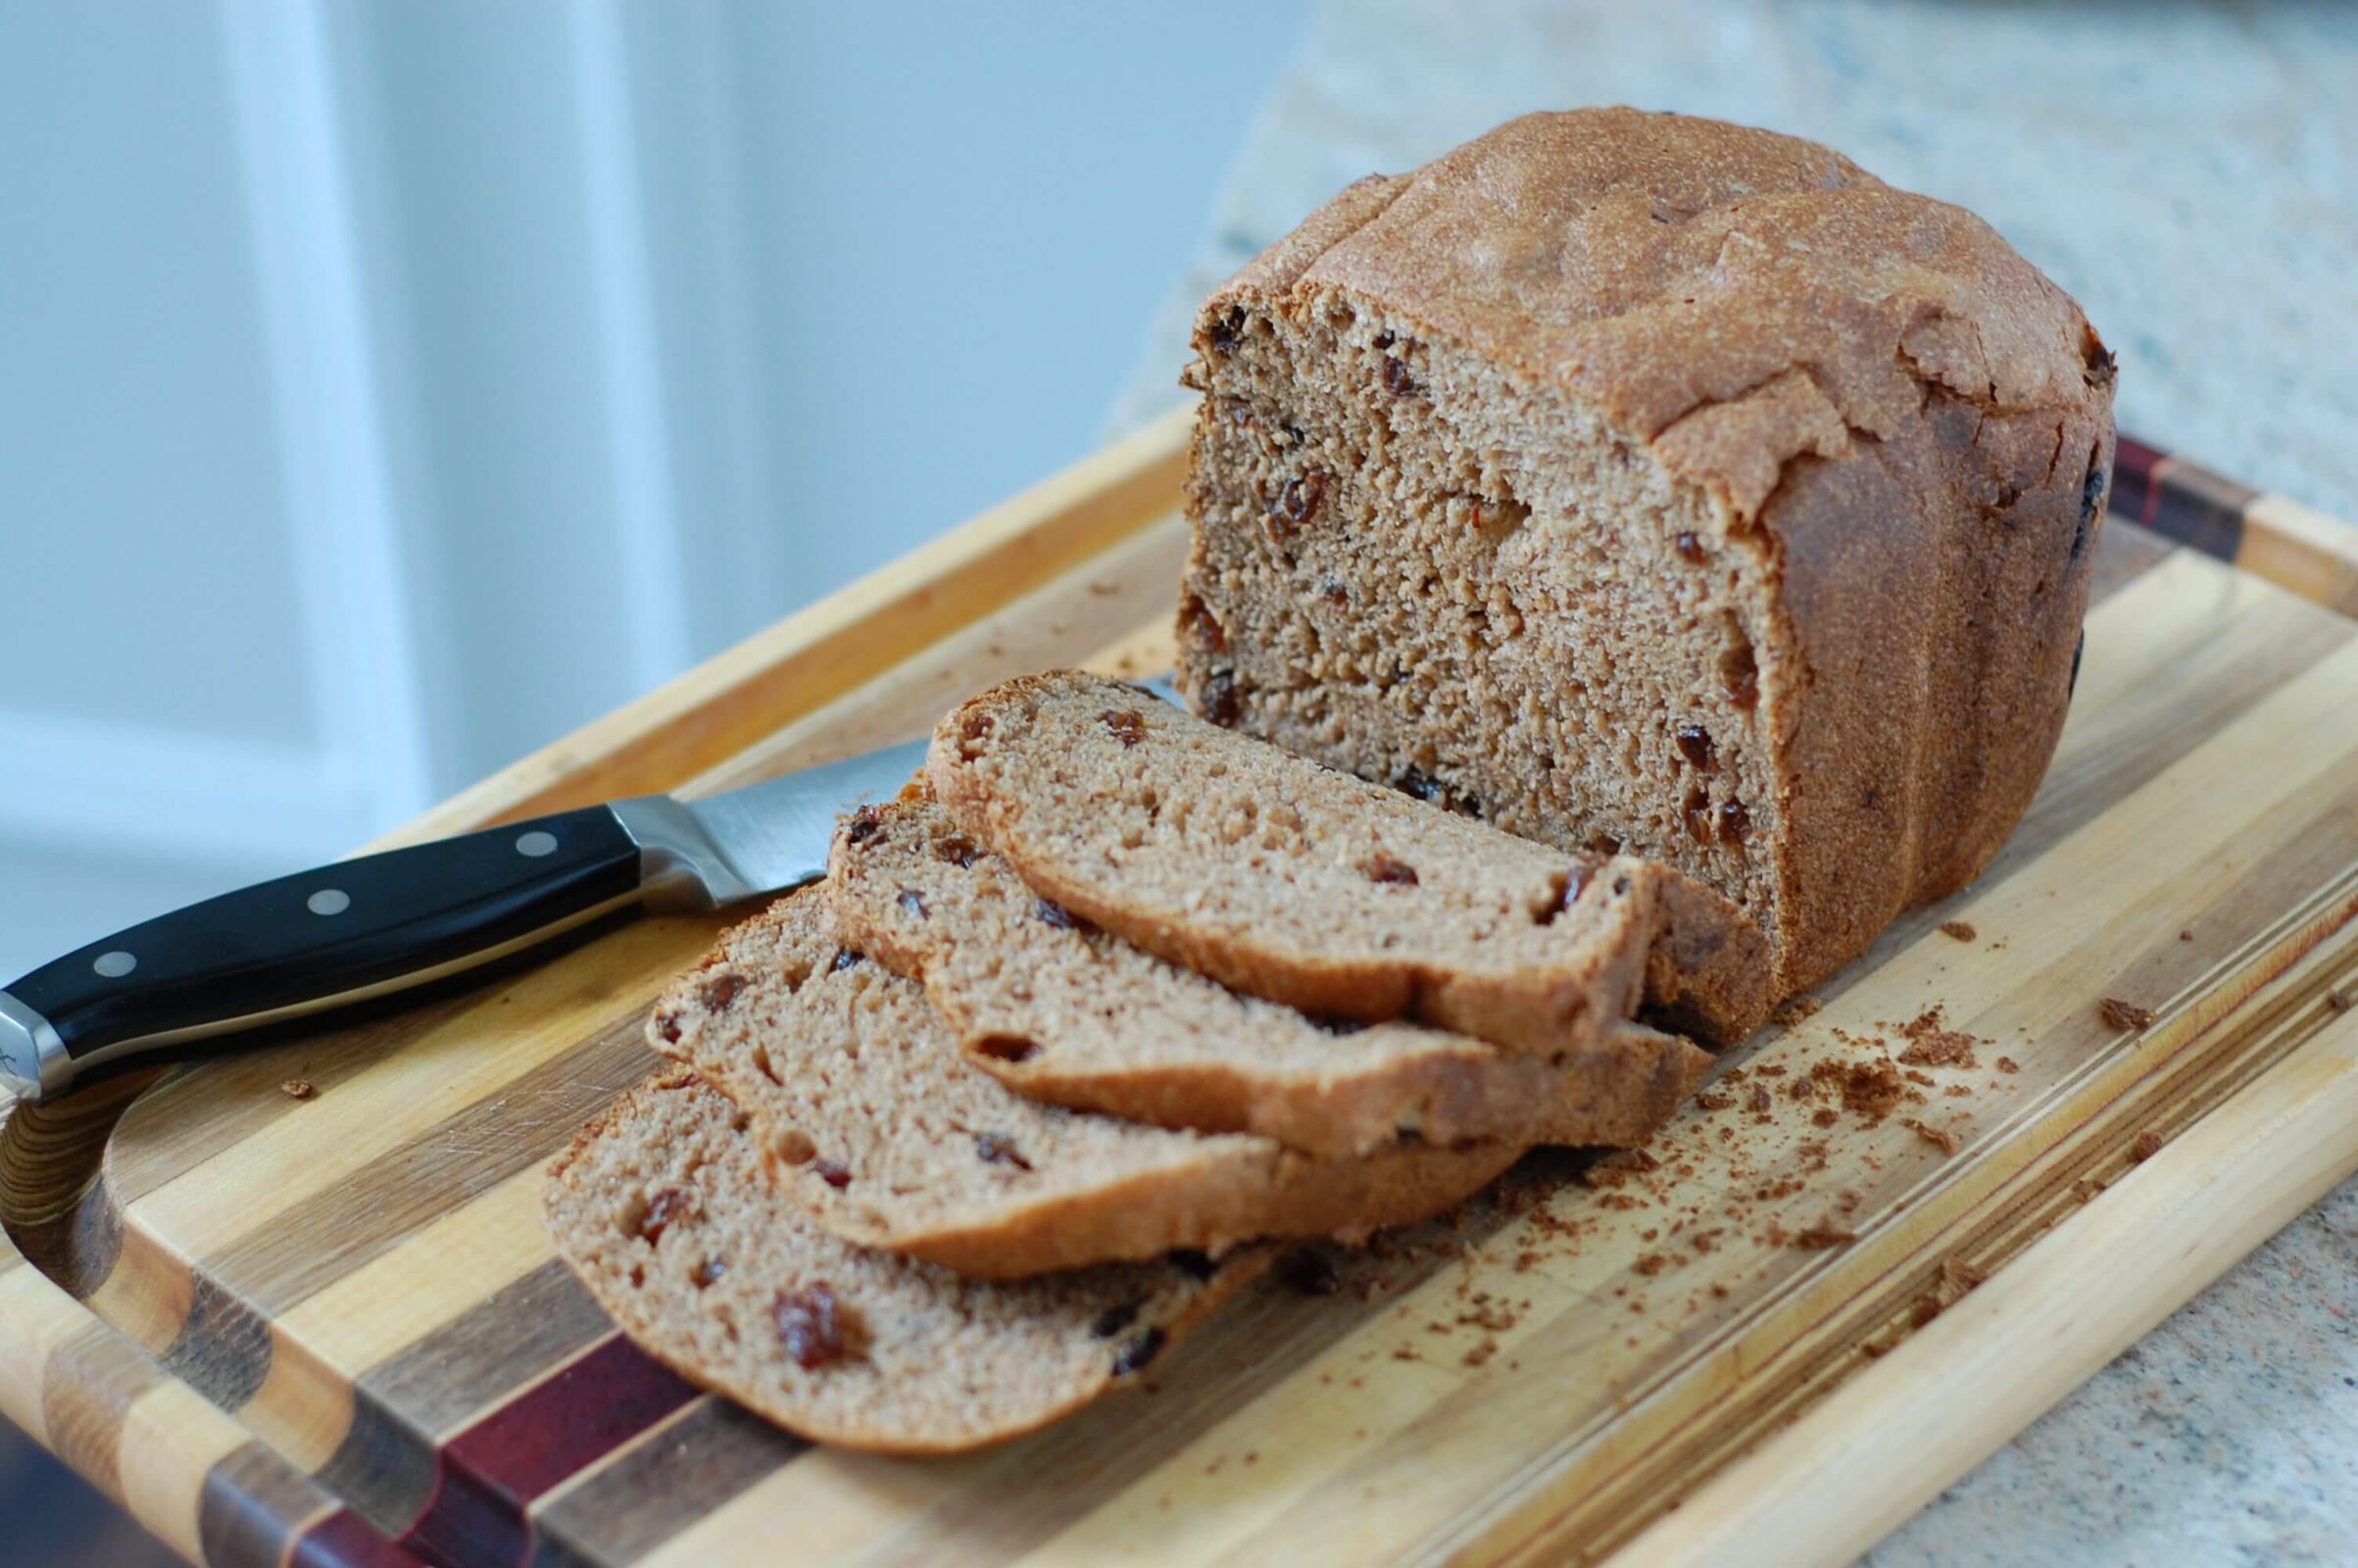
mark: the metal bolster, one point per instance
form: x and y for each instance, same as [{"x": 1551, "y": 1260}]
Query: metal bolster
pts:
[
  {"x": 33, "y": 1063},
  {"x": 681, "y": 867}
]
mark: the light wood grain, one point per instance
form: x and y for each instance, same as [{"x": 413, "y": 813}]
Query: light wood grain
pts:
[
  {"x": 2302, "y": 549},
  {"x": 1990, "y": 1366}
]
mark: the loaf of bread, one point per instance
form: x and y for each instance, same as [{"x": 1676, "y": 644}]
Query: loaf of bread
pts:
[
  {"x": 872, "y": 1124},
  {"x": 1645, "y": 483},
  {"x": 1061, "y": 1010},
  {"x": 1306, "y": 886},
  {"x": 660, "y": 1206}
]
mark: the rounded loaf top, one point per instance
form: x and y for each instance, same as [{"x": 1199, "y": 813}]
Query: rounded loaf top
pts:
[{"x": 1735, "y": 297}]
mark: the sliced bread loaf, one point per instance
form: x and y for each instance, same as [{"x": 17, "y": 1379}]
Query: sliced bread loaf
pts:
[
  {"x": 662, "y": 1209},
  {"x": 1062, "y": 1012},
  {"x": 1638, "y": 478},
  {"x": 1307, "y": 886},
  {"x": 872, "y": 1124}
]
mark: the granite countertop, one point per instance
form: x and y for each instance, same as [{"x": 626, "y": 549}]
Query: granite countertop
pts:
[{"x": 2187, "y": 172}]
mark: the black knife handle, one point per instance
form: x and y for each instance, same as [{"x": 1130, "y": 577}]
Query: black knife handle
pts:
[{"x": 314, "y": 940}]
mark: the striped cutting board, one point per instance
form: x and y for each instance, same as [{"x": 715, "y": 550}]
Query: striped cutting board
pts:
[{"x": 362, "y": 1351}]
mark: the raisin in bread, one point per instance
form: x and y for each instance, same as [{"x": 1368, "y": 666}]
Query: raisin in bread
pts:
[
  {"x": 1644, "y": 481},
  {"x": 1306, "y": 886},
  {"x": 662, "y": 1207},
  {"x": 1059, "y": 1010},
  {"x": 873, "y": 1124}
]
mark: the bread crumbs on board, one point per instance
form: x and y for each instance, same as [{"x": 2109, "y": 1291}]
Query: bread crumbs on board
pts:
[
  {"x": 2118, "y": 1014},
  {"x": 1931, "y": 1043},
  {"x": 1940, "y": 1138},
  {"x": 1959, "y": 930}
]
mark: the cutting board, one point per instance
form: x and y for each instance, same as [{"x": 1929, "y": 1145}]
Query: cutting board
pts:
[{"x": 1887, "y": 1235}]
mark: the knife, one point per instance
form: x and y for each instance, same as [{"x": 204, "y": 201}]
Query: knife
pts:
[{"x": 377, "y": 924}]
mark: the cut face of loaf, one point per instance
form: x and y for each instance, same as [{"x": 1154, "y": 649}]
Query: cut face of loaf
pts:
[
  {"x": 873, "y": 1124},
  {"x": 662, "y": 1209},
  {"x": 1637, "y": 482},
  {"x": 1306, "y": 886},
  {"x": 1062, "y": 1012}
]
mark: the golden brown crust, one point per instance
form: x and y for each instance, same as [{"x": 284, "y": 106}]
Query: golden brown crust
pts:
[{"x": 1908, "y": 421}]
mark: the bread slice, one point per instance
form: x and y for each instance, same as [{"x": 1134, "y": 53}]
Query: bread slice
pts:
[
  {"x": 872, "y": 1124},
  {"x": 661, "y": 1206},
  {"x": 1306, "y": 886},
  {"x": 1640, "y": 479},
  {"x": 1061, "y": 1011}
]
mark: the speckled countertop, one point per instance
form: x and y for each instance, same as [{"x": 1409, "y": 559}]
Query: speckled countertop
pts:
[{"x": 2190, "y": 174}]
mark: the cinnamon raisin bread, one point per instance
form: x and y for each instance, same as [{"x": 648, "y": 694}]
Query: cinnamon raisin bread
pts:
[
  {"x": 1643, "y": 481},
  {"x": 1307, "y": 886},
  {"x": 1059, "y": 1010},
  {"x": 662, "y": 1209},
  {"x": 873, "y": 1124}
]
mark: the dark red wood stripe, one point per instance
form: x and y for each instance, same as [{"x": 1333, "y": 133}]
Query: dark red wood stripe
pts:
[
  {"x": 491, "y": 1472},
  {"x": 669, "y": 1479},
  {"x": 344, "y": 1539},
  {"x": 386, "y": 1464},
  {"x": 2188, "y": 504}
]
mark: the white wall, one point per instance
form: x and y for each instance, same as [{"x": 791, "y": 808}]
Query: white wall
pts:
[{"x": 387, "y": 388}]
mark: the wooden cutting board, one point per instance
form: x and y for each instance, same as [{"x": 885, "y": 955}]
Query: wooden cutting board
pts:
[{"x": 1840, "y": 1256}]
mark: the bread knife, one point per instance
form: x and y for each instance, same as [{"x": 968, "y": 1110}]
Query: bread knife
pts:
[{"x": 377, "y": 924}]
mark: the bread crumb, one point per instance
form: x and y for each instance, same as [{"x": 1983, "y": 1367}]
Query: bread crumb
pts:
[
  {"x": 2186, "y": 936},
  {"x": 1818, "y": 1237},
  {"x": 1619, "y": 1169},
  {"x": 1872, "y": 1090},
  {"x": 1933, "y": 1044},
  {"x": 2341, "y": 999},
  {"x": 2149, "y": 1143},
  {"x": 1940, "y": 1138},
  {"x": 1793, "y": 1009},
  {"x": 1961, "y": 930},
  {"x": 2008, "y": 1064},
  {"x": 297, "y": 1088},
  {"x": 2118, "y": 1014},
  {"x": 1956, "y": 1278}
]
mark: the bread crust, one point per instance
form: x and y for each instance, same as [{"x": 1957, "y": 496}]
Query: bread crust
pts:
[{"x": 1906, "y": 421}]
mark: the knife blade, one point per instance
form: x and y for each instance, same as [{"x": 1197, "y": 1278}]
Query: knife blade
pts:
[{"x": 379, "y": 925}]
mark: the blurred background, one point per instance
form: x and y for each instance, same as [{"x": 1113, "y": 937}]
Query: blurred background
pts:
[{"x": 387, "y": 388}]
